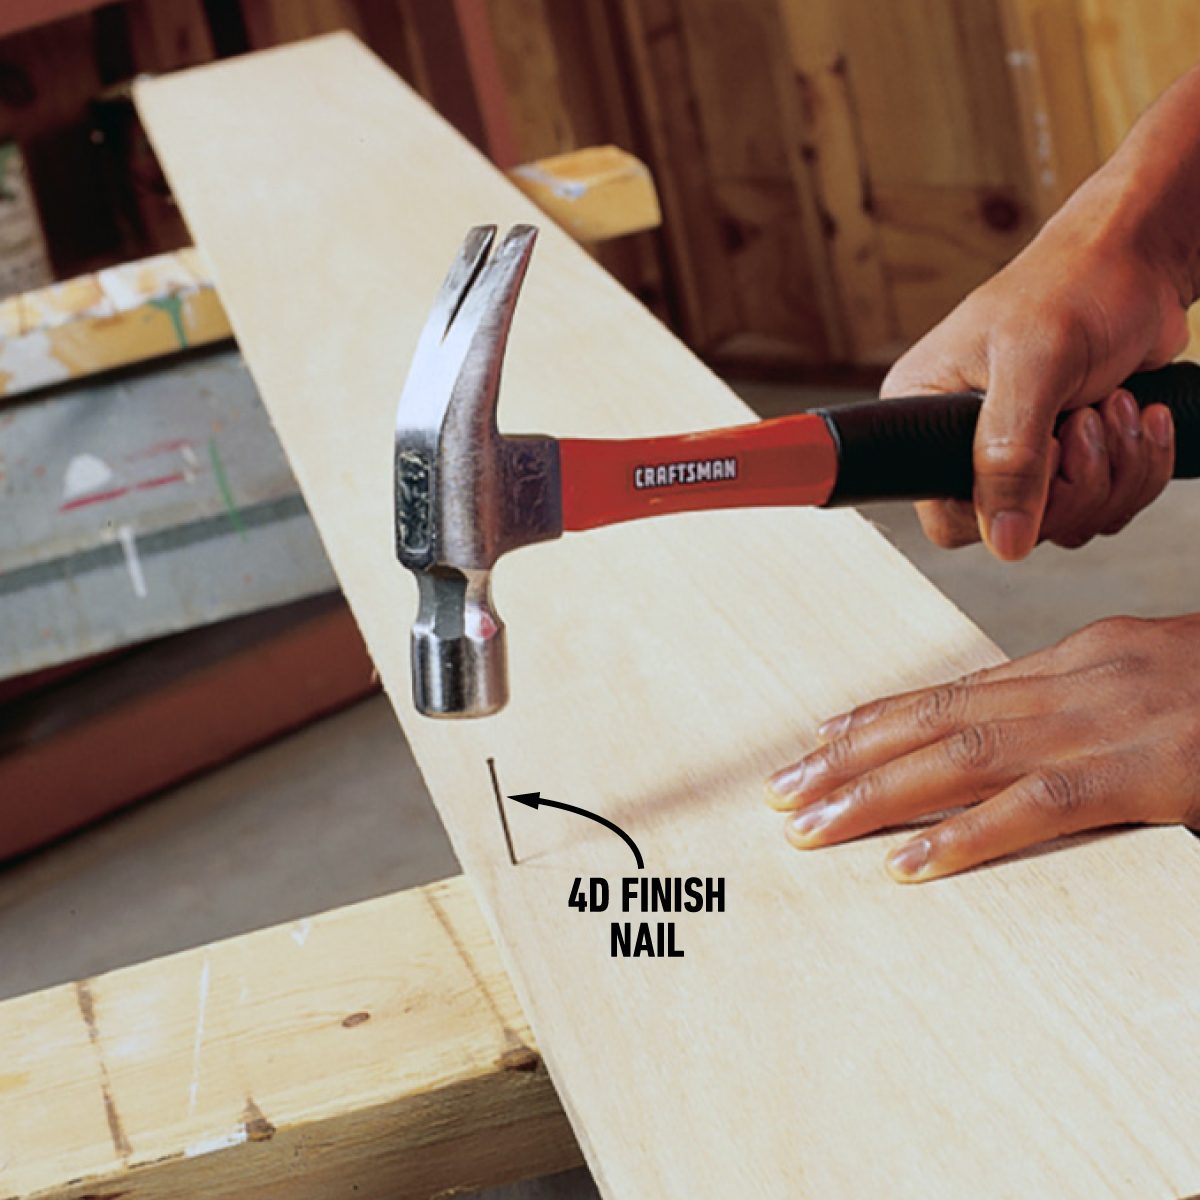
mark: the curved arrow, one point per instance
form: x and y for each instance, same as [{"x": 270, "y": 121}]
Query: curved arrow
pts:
[{"x": 533, "y": 799}]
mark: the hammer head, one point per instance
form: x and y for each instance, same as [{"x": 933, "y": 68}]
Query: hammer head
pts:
[{"x": 464, "y": 494}]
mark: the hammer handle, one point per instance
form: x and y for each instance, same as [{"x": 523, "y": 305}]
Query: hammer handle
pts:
[
  {"x": 921, "y": 447},
  {"x": 914, "y": 448}
]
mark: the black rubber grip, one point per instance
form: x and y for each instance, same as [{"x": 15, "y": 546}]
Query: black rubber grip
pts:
[{"x": 920, "y": 447}]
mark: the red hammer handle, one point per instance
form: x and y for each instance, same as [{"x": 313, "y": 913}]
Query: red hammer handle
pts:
[{"x": 790, "y": 460}]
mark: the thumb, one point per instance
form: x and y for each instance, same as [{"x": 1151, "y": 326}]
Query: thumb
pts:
[{"x": 1014, "y": 449}]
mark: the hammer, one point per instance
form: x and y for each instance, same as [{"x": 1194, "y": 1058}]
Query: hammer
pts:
[{"x": 466, "y": 494}]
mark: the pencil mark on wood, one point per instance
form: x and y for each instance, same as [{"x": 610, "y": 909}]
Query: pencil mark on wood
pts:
[{"x": 87, "y": 1010}]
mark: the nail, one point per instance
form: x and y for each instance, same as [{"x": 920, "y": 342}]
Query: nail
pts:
[
  {"x": 1011, "y": 535},
  {"x": 834, "y": 727},
  {"x": 813, "y": 820},
  {"x": 1129, "y": 414},
  {"x": 793, "y": 779},
  {"x": 1160, "y": 427},
  {"x": 912, "y": 860},
  {"x": 1093, "y": 431}
]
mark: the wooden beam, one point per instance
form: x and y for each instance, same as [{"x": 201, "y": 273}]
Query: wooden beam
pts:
[
  {"x": 111, "y": 318},
  {"x": 595, "y": 194},
  {"x": 375, "y": 1051},
  {"x": 1022, "y": 1030}
]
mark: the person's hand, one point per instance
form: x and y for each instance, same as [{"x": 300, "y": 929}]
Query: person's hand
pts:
[
  {"x": 1101, "y": 729},
  {"x": 1078, "y": 311}
]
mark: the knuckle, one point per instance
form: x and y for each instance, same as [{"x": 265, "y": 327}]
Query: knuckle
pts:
[
  {"x": 973, "y": 748},
  {"x": 1104, "y": 635},
  {"x": 939, "y": 707},
  {"x": 1056, "y": 792},
  {"x": 839, "y": 753},
  {"x": 865, "y": 791},
  {"x": 864, "y": 714},
  {"x": 1000, "y": 459}
]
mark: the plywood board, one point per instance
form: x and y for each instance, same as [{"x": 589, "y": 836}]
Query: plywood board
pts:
[{"x": 1023, "y": 1030}]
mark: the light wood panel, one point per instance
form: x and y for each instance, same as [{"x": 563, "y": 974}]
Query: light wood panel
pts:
[
  {"x": 1024, "y": 1030},
  {"x": 942, "y": 180},
  {"x": 1086, "y": 70},
  {"x": 1046, "y": 52},
  {"x": 375, "y": 1051}
]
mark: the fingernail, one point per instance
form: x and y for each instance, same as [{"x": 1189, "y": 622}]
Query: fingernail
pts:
[
  {"x": 793, "y": 779},
  {"x": 834, "y": 727},
  {"x": 912, "y": 860},
  {"x": 813, "y": 820},
  {"x": 1011, "y": 534},
  {"x": 1159, "y": 426},
  {"x": 1093, "y": 431},
  {"x": 1129, "y": 414}
]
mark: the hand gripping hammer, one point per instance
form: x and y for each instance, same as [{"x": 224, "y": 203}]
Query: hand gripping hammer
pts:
[{"x": 466, "y": 494}]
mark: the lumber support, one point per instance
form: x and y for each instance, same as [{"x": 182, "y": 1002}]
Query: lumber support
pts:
[
  {"x": 375, "y": 1051},
  {"x": 595, "y": 194}
]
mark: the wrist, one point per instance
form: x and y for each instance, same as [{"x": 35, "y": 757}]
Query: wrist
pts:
[
  {"x": 1154, "y": 213},
  {"x": 1126, "y": 211}
]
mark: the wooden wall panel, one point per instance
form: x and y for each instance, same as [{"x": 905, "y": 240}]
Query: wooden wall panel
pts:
[
  {"x": 746, "y": 129},
  {"x": 835, "y": 174},
  {"x": 941, "y": 148},
  {"x": 1055, "y": 110},
  {"x": 1134, "y": 51},
  {"x": 564, "y": 86},
  {"x": 722, "y": 128},
  {"x": 832, "y": 156},
  {"x": 1086, "y": 70}
]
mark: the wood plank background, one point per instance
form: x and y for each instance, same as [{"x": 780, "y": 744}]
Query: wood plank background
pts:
[{"x": 835, "y": 174}]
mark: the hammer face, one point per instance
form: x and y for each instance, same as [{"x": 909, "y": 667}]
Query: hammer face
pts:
[{"x": 459, "y": 666}]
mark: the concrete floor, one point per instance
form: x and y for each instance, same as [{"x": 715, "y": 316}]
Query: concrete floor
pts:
[{"x": 338, "y": 812}]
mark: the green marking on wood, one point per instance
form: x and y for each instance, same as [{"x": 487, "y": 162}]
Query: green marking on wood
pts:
[{"x": 172, "y": 305}]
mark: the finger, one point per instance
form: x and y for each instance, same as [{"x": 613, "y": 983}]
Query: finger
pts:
[
  {"x": 1127, "y": 457},
  {"x": 1158, "y": 429},
  {"x": 948, "y": 523},
  {"x": 955, "y": 711},
  {"x": 1013, "y": 446},
  {"x": 1050, "y": 802},
  {"x": 1080, "y": 487},
  {"x": 1046, "y": 661},
  {"x": 970, "y": 765}
]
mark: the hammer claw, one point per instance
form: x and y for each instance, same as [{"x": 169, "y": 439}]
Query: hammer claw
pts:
[
  {"x": 464, "y": 495},
  {"x": 464, "y": 270}
]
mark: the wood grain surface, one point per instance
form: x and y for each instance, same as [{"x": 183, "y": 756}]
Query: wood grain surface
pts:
[
  {"x": 374, "y": 1051},
  {"x": 1024, "y": 1030}
]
